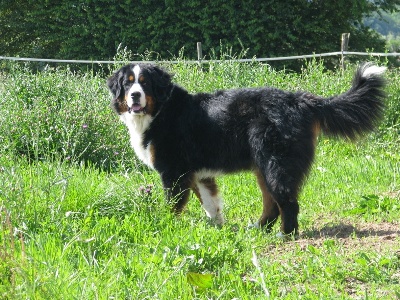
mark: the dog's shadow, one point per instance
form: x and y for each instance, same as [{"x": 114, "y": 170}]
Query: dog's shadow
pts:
[{"x": 343, "y": 231}]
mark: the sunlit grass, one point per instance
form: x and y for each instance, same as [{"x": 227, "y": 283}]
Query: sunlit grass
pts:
[{"x": 94, "y": 224}]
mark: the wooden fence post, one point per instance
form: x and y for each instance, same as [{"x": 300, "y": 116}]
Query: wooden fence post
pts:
[
  {"x": 344, "y": 47},
  {"x": 199, "y": 52}
]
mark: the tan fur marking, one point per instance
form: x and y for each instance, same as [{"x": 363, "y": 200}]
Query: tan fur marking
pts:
[
  {"x": 150, "y": 105},
  {"x": 268, "y": 201},
  {"x": 316, "y": 129},
  {"x": 152, "y": 151},
  {"x": 196, "y": 192},
  {"x": 210, "y": 184},
  {"x": 122, "y": 106}
]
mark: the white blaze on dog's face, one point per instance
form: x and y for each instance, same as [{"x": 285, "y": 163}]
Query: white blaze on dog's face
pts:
[{"x": 135, "y": 96}]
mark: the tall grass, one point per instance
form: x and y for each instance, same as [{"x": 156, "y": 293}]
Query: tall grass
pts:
[
  {"x": 62, "y": 115},
  {"x": 81, "y": 218}
]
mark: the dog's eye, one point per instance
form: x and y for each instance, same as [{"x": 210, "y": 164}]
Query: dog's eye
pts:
[
  {"x": 131, "y": 78},
  {"x": 142, "y": 80}
]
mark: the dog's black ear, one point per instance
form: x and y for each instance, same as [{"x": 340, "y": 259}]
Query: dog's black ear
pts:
[
  {"x": 114, "y": 83},
  {"x": 161, "y": 82}
]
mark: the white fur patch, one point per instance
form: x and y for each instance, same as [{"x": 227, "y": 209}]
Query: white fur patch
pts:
[
  {"x": 136, "y": 87},
  {"x": 137, "y": 125},
  {"x": 136, "y": 71},
  {"x": 212, "y": 204},
  {"x": 373, "y": 71},
  {"x": 205, "y": 173}
]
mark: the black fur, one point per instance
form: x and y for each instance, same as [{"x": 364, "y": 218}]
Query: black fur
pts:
[
  {"x": 269, "y": 131},
  {"x": 356, "y": 111}
]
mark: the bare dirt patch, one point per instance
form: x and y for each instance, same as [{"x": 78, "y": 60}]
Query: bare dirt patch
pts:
[
  {"x": 350, "y": 237},
  {"x": 362, "y": 234},
  {"x": 356, "y": 236}
]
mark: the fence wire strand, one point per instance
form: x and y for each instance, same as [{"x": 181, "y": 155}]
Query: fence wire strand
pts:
[{"x": 202, "y": 61}]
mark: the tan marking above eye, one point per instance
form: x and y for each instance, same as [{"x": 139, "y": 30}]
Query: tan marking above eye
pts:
[
  {"x": 141, "y": 79},
  {"x": 131, "y": 78}
]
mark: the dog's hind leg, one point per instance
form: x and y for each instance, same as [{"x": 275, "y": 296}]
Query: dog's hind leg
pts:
[
  {"x": 207, "y": 191},
  {"x": 284, "y": 161},
  {"x": 283, "y": 182},
  {"x": 270, "y": 208}
]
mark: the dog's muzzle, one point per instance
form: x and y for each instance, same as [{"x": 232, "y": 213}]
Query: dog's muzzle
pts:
[{"x": 136, "y": 107}]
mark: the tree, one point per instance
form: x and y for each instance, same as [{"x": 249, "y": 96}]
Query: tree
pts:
[{"x": 93, "y": 29}]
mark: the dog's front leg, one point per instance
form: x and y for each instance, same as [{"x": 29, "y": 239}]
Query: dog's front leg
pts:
[
  {"x": 206, "y": 191},
  {"x": 177, "y": 190}
]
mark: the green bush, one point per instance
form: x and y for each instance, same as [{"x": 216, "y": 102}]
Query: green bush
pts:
[{"x": 94, "y": 29}]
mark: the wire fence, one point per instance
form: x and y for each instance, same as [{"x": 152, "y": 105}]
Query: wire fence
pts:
[{"x": 342, "y": 53}]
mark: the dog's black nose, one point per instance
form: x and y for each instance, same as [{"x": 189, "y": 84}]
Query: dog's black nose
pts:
[{"x": 135, "y": 96}]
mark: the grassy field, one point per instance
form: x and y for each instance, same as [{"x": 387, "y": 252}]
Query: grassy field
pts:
[{"x": 81, "y": 218}]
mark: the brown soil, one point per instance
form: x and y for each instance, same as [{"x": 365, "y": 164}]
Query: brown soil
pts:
[{"x": 357, "y": 236}]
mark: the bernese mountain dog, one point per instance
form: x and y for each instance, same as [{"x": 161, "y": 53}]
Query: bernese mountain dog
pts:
[{"x": 189, "y": 139}]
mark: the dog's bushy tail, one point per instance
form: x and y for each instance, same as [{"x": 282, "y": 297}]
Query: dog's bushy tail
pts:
[{"x": 358, "y": 110}]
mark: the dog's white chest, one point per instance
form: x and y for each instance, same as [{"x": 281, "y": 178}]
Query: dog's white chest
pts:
[
  {"x": 143, "y": 153},
  {"x": 137, "y": 126}
]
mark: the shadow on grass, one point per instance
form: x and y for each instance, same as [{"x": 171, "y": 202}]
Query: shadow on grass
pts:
[{"x": 343, "y": 230}]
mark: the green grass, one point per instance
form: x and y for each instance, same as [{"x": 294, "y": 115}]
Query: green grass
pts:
[{"x": 81, "y": 218}]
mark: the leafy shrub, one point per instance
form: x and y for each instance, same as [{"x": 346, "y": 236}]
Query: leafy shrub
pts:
[{"x": 268, "y": 28}]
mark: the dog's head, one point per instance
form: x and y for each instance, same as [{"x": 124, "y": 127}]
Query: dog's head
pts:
[{"x": 139, "y": 89}]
